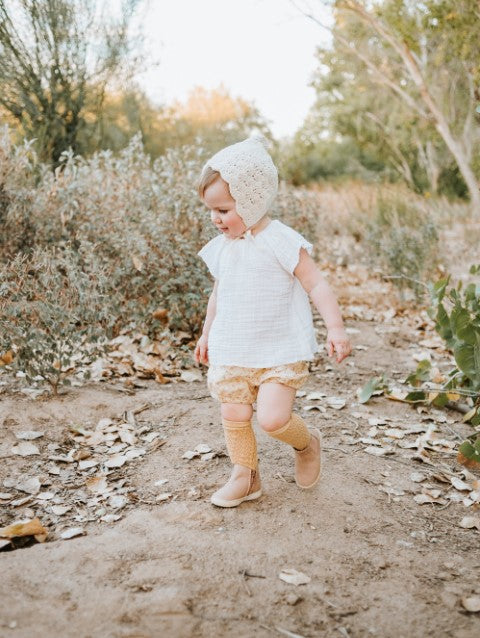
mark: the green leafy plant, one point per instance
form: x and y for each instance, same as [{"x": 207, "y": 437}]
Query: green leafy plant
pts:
[{"x": 456, "y": 312}]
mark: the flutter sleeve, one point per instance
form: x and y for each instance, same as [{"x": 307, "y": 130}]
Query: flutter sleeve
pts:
[
  {"x": 210, "y": 254},
  {"x": 286, "y": 243}
]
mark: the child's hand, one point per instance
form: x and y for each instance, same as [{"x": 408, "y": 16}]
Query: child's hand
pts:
[
  {"x": 339, "y": 343},
  {"x": 201, "y": 350}
]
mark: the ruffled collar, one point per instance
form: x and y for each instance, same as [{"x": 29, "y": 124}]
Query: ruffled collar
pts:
[{"x": 248, "y": 235}]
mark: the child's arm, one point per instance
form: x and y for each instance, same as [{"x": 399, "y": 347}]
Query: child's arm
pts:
[
  {"x": 325, "y": 302},
  {"x": 201, "y": 349}
]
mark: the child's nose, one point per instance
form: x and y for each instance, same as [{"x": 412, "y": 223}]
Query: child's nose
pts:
[{"x": 215, "y": 217}]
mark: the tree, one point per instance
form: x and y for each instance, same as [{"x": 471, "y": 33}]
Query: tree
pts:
[
  {"x": 55, "y": 53},
  {"x": 209, "y": 118},
  {"x": 214, "y": 118},
  {"x": 363, "y": 112},
  {"x": 427, "y": 54}
]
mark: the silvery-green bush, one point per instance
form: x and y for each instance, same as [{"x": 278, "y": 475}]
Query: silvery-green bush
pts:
[
  {"x": 53, "y": 315},
  {"x": 403, "y": 242}
]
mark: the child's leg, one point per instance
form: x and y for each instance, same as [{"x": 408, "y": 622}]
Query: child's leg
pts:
[
  {"x": 274, "y": 416},
  {"x": 231, "y": 385},
  {"x": 244, "y": 483},
  {"x": 239, "y": 435}
]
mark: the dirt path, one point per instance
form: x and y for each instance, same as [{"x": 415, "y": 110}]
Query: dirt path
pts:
[{"x": 380, "y": 564}]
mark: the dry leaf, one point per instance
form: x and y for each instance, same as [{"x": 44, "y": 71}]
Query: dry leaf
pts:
[
  {"x": 72, "y": 532},
  {"x": 126, "y": 436},
  {"x": 30, "y": 486},
  {"x": 25, "y": 449},
  {"x": 378, "y": 451},
  {"x": 337, "y": 403},
  {"x": 86, "y": 465},
  {"x": 60, "y": 510},
  {"x": 117, "y": 460},
  {"x": 96, "y": 484},
  {"x": 164, "y": 496},
  {"x": 118, "y": 501},
  {"x": 80, "y": 455},
  {"x": 6, "y": 358},
  {"x": 110, "y": 518},
  {"x": 393, "y": 491},
  {"x": 191, "y": 375},
  {"x": 134, "y": 453},
  {"x": 203, "y": 448},
  {"x": 429, "y": 496},
  {"x": 45, "y": 496},
  {"x": 417, "y": 477},
  {"x": 471, "y": 603},
  {"x": 315, "y": 396},
  {"x": 395, "y": 433},
  {"x": 374, "y": 421},
  {"x": 21, "y": 501},
  {"x": 293, "y": 577},
  {"x": 23, "y": 528},
  {"x": 104, "y": 423},
  {"x": 460, "y": 485},
  {"x": 28, "y": 435},
  {"x": 161, "y": 314},
  {"x": 137, "y": 262},
  {"x": 469, "y": 522},
  {"x": 320, "y": 408},
  {"x": 190, "y": 454}
]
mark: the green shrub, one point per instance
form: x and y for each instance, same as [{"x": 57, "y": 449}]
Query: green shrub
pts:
[{"x": 403, "y": 241}]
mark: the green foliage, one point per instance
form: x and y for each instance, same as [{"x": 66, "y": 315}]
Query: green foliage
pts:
[
  {"x": 58, "y": 56},
  {"x": 396, "y": 95},
  {"x": 456, "y": 312},
  {"x": 374, "y": 386},
  {"x": 469, "y": 453},
  {"x": 403, "y": 240},
  {"x": 208, "y": 118}
]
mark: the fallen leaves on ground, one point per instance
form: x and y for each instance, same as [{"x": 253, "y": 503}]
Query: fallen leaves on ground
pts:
[{"x": 85, "y": 476}]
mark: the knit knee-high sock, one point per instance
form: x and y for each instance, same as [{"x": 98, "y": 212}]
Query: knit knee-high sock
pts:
[
  {"x": 295, "y": 433},
  {"x": 241, "y": 443}
]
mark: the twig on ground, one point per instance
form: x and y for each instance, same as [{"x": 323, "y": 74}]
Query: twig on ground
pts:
[
  {"x": 331, "y": 447},
  {"x": 416, "y": 281}
]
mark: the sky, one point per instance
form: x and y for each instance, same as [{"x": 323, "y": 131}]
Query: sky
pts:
[{"x": 260, "y": 50}]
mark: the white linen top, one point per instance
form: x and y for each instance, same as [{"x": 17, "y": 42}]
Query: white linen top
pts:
[{"x": 263, "y": 316}]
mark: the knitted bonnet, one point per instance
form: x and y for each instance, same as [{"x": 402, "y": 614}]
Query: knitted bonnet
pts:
[{"x": 251, "y": 176}]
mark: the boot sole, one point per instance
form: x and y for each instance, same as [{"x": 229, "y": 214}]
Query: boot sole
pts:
[
  {"x": 309, "y": 487},
  {"x": 219, "y": 502}
]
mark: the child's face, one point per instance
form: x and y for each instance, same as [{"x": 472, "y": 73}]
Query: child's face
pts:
[{"x": 223, "y": 209}]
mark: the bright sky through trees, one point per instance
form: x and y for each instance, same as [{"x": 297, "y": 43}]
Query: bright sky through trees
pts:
[{"x": 261, "y": 50}]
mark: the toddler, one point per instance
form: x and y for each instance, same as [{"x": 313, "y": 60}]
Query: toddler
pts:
[{"x": 258, "y": 333}]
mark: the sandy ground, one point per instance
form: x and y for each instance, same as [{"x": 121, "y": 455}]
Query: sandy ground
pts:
[{"x": 380, "y": 564}]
